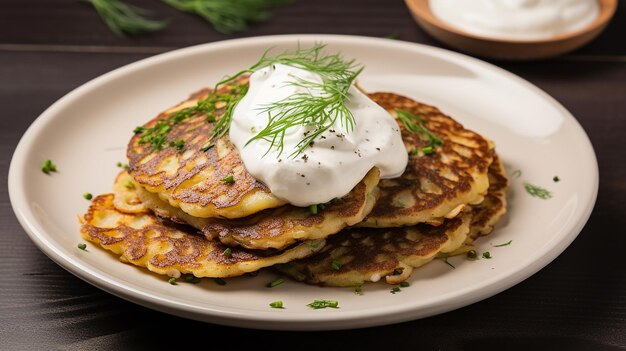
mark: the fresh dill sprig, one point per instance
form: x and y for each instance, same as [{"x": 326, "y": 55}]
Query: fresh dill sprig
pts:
[
  {"x": 537, "y": 191},
  {"x": 157, "y": 135},
  {"x": 415, "y": 124},
  {"x": 320, "y": 110},
  {"x": 228, "y": 16},
  {"x": 123, "y": 18}
]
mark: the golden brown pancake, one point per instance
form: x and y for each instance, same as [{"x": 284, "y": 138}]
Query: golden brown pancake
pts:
[
  {"x": 369, "y": 254},
  {"x": 191, "y": 179},
  {"x": 486, "y": 214},
  {"x": 435, "y": 185},
  {"x": 144, "y": 240},
  {"x": 270, "y": 229}
]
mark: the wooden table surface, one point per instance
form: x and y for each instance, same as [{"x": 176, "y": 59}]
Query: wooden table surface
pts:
[{"x": 578, "y": 302}]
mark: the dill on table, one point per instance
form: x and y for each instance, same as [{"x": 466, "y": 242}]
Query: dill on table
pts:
[
  {"x": 226, "y": 16},
  {"x": 229, "y": 16},
  {"x": 124, "y": 19}
]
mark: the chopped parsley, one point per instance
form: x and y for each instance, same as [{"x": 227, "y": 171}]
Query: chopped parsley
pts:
[
  {"x": 359, "y": 290},
  {"x": 48, "y": 166},
  {"x": 486, "y": 255},
  {"x": 228, "y": 252},
  {"x": 336, "y": 265},
  {"x": 537, "y": 191},
  {"x": 405, "y": 284},
  {"x": 122, "y": 165},
  {"x": 505, "y": 244},
  {"x": 313, "y": 209},
  {"x": 394, "y": 290},
  {"x": 82, "y": 246},
  {"x": 517, "y": 173},
  {"x": 129, "y": 184},
  {"x": 192, "y": 279},
  {"x": 317, "y": 304},
  {"x": 219, "y": 281},
  {"x": 275, "y": 283},
  {"x": 87, "y": 196},
  {"x": 172, "y": 281},
  {"x": 276, "y": 304},
  {"x": 229, "y": 179},
  {"x": 179, "y": 144}
]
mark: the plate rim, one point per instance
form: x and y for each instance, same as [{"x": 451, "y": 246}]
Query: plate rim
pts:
[{"x": 277, "y": 321}]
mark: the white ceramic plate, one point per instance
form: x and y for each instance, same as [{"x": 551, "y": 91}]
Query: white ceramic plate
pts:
[{"x": 86, "y": 131}]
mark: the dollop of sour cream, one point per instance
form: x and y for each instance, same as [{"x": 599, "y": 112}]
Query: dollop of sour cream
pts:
[
  {"x": 335, "y": 163},
  {"x": 517, "y": 19}
]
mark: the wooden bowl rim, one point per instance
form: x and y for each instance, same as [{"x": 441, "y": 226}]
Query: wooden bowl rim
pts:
[{"x": 421, "y": 8}]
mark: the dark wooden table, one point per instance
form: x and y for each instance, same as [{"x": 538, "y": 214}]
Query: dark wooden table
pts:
[{"x": 578, "y": 302}]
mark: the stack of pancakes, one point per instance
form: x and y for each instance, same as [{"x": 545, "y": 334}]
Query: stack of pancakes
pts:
[{"x": 198, "y": 211}]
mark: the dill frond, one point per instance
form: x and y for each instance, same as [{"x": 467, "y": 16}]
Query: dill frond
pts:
[
  {"x": 320, "y": 110},
  {"x": 415, "y": 124},
  {"x": 228, "y": 16},
  {"x": 124, "y": 19}
]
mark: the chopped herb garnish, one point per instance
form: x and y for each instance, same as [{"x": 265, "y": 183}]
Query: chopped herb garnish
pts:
[
  {"x": 394, "y": 290},
  {"x": 445, "y": 260},
  {"x": 179, "y": 145},
  {"x": 427, "y": 150},
  {"x": 48, "y": 167},
  {"x": 87, "y": 196},
  {"x": 359, "y": 290},
  {"x": 129, "y": 184},
  {"x": 415, "y": 124},
  {"x": 317, "y": 304},
  {"x": 537, "y": 191},
  {"x": 275, "y": 283},
  {"x": 82, "y": 246},
  {"x": 228, "y": 252},
  {"x": 313, "y": 209},
  {"x": 122, "y": 165},
  {"x": 486, "y": 254},
  {"x": 471, "y": 254},
  {"x": 336, "y": 265},
  {"x": 405, "y": 284},
  {"x": 413, "y": 151},
  {"x": 505, "y": 244},
  {"x": 517, "y": 173},
  {"x": 556, "y": 179},
  {"x": 229, "y": 179},
  {"x": 157, "y": 135},
  {"x": 220, "y": 281},
  {"x": 172, "y": 281},
  {"x": 276, "y": 304},
  {"x": 192, "y": 279}
]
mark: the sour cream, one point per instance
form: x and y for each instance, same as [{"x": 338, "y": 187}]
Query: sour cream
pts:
[
  {"x": 517, "y": 19},
  {"x": 335, "y": 163}
]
